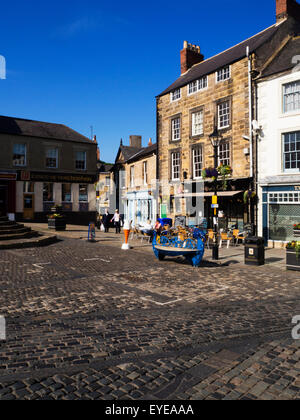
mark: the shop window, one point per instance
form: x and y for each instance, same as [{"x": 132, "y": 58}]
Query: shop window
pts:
[
  {"x": 282, "y": 218},
  {"x": 66, "y": 192},
  {"x": 83, "y": 193},
  {"x": 48, "y": 196}
]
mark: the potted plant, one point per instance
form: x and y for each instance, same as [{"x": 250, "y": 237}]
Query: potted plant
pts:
[
  {"x": 293, "y": 256},
  {"x": 297, "y": 230},
  {"x": 249, "y": 195},
  {"x": 225, "y": 171},
  {"x": 56, "y": 221}
]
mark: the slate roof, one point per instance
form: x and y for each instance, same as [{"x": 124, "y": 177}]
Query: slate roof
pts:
[
  {"x": 128, "y": 152},
  {"x": 105, "y": 167},
  {"x": 146, "y": 151},
  {"x": 284, "y": 59},
  {"x": 223, "y": 59},
  {"x": 30, "y": 128}
]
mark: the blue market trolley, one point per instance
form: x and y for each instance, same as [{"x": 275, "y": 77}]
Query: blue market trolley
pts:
[{"x": 191, "y": 247}]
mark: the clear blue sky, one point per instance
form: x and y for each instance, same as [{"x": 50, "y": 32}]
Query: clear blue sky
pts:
[{"x": 84, "y": 63}]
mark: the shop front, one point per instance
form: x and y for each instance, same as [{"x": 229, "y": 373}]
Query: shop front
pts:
[
  {"x": 280, "y": 212},
  {"x": 140, "y": 206},
  {"x": 38, "y": 192}
]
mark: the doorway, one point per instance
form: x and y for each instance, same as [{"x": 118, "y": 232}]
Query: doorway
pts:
[
  {"x": 3, "y": 200},
  {"x": 28, "y": 212}
]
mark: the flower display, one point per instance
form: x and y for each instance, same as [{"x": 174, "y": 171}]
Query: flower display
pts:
[{"x": 210, "y": 173}]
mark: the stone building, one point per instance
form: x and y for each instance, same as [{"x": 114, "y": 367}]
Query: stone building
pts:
[
  {"x": 139, "y": 196},
  {"x": 42, "y": 164},
  {"x": 104, "y": 187},
  {"x": 219, "y": 92}
]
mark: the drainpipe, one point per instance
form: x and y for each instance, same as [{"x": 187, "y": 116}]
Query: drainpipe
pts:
[
  {"x": 250, "y": 110},
  {"x": 251, "y": 133}
]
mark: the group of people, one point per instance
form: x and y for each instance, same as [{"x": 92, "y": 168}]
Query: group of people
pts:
[
  {"x": 117, "y": 220},
  {"x": 106, "y": 220}
]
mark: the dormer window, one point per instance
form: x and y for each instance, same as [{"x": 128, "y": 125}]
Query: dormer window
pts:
[
  {"x": 223, "y": 74},
  {"x": 175, "y": 95}
]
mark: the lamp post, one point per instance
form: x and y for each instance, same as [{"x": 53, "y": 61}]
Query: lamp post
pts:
[{"x": 216, "y": 140}]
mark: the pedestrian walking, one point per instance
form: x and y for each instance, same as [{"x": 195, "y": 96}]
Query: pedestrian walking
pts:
[
  {"x": 106, "y": 221},
  {"x": 117, "y": 221}
]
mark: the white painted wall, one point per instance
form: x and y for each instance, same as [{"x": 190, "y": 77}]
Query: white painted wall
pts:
[{"x": 274, "y": 124}]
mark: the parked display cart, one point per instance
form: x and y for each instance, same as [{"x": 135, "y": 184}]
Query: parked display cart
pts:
[{"x": 189, "y": 243}]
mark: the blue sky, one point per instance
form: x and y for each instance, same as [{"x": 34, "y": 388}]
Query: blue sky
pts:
[{"x": 101, "y": 64}]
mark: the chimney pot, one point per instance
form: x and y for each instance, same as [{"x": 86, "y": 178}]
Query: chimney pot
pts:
[
  {"x": 190, "y": 55},
  {"x": 135, "y": 141}
]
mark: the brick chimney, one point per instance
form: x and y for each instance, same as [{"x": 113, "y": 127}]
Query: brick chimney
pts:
[
  {"x": 98, "y": 150},
  {"x": 189, "y": 56},
  {"x": 286, "y": 8},
  {"x": 135, "y": 141}
]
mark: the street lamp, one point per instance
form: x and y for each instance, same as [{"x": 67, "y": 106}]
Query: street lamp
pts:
[{"x": 216, "y": 140}]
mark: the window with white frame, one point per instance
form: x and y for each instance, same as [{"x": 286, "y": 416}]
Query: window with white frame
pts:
[
  {"x": 51, "y": 158},
  {"x": 145, "y": 173},
  {"x": 19, "y": 155},
  {"x": 285, "y": 197},
  {"x": 197, "y": 123},
  {"x": 224, "y": 154},
  {"x": 176, "y": 129},
  {"x": 197, "y": 162},
  {"x": 197, "y": 85},
  {"x": 291, "y": 151},
  {"x": 291, "y": 97},
  {"x": 175, "y": 166},
  {"x": 223, "y": 74},
  {"x": 175, "y": 95},
  {"x": 80, "y": 162},
  {"x": 224, "y": 114},
  {"x": 132, "y": 176}
]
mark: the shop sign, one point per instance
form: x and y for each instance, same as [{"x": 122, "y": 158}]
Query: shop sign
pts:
[
  {"x": 8, "y": 176},
  {"x": 25, "y": 176},
  {"x": 63, "y": 178}
]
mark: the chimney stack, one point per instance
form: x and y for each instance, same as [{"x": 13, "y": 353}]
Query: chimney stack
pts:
[
  {"x": 286, "y": 8},
  {"x": 150, "y": 142},
  {"x": 135, "y": 141},
  {"x": 189, "y": 56}
]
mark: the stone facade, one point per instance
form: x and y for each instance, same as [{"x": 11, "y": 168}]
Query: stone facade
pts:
[{"x": 236, "y": 91}]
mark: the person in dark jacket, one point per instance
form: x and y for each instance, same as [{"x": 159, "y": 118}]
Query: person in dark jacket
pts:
[{"x": 106, "y": 220}]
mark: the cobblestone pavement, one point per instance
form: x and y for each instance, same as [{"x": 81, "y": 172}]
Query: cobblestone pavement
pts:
[{"x": 89, "y": 321}]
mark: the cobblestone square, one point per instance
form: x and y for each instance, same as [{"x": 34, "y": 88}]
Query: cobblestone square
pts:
[{"x": 89, "y": 321}]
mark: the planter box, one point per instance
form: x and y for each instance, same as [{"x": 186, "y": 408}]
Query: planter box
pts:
[
  {"x": 297, "y": 233},
  {"x": 292, "y": 262},
  {"x": 57, "y": 224}
]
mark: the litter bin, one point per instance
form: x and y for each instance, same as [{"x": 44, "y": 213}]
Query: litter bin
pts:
[{"x": 254, "y": 251}]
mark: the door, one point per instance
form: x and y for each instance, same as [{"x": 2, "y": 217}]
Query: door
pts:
[
  {"x": 3, "y": 200},
  {"x": 28, "y": 212}
]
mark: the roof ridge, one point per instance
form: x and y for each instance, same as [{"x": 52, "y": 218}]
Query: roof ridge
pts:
[
  {"x": 30, "y": 120},
  {"x": 234, "y": 46}
]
